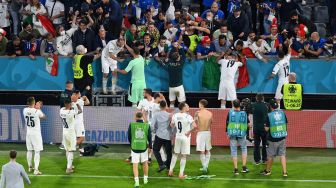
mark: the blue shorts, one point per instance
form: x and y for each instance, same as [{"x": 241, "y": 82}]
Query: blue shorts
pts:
[{"x": 234, "y": 141}]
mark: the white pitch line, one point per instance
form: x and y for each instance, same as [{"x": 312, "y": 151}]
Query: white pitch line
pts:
[{"x": 218, "y": 179}]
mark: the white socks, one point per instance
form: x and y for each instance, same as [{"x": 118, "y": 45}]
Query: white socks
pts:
[
  {"x": 30, "y": 158},
  {"x": 172, "y": 105},
  {"x": 202, "y": 157},
  {"x": 223, "y": 106},
  {"x": 173, "y": 162},
  {"x": 69, "y": 159},
  {"x": 182, "y": 165},
  {"x": 37, "y": 160},
  {"x": 104, "y": 84},
  {"x": 207, "y": 159},
  {"x": 114, "y": 83}
]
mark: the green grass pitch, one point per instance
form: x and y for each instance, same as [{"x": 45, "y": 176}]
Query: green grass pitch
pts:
[{"x": 306, "y": 167}]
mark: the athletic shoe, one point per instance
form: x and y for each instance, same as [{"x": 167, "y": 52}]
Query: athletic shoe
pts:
[
  {"x": 36, "y": 173},
  {"x": 250, "y": 139},
  {"x": 245, "y": 170},
  {"x": 170, "y": 173},
  {"x": 145, "y": 181},
  {"x": 183, "y": 176},
  {"x": 69, "y": 171},
  {"x": 73, "y": 167},
  {"x": 235, "y": 171},
  {"x": 136, "y": 184},
  {"x": 265, "y": 173},
  {"x": 162, "y": 168},
  {"x": 257, "y": 163},
  {"x": 61, "y": 147},
  {"x": 285, "y": 174},
  {"x": 264, "y": 162},
  {"x": 30, "y": 169},
  {"x": 149, "y": 161}
]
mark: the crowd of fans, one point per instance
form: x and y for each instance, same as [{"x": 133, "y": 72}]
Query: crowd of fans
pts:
[{"x": 47, "y": 27}]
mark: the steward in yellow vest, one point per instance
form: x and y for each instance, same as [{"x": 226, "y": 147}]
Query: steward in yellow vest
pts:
[{"x": 292, "y": 94}]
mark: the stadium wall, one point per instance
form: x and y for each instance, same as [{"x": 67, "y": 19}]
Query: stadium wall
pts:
[
  {"x": 109, "y": 125},
  {"x": 318, "y": 76}
]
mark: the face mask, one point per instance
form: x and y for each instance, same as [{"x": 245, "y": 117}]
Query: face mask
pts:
[
  {"x": 298, "y": 39},
  {"x": 207, "y": 46},
  {"x": 127, "y": 3},
  {"x": 288, "y": 1},
  {"x": 62, "y": 33},
  {"x": 171, "y": 29},
  {"x": 182, "y": 28},
  {"x": 209, "y": 18}
]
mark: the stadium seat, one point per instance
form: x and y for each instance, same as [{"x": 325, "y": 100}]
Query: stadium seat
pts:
[
  {"x": 309, "y": 2},
  {"x": 321, "y": 14},
  {"x": 307, "y": 11},
  {"x": 321, "y": 29}
]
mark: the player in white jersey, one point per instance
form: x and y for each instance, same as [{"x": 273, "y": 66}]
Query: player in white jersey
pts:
[
  {"x": 109, "y": 60},
  {"x": 282, "y": 69},
  {"x": 227, "y": 88},
  {"x": 68, "y": 114},
  {"x": 184, "y": 124},
  {"x": 79, "y": 127},
  {"x": 32, "y": 115}
]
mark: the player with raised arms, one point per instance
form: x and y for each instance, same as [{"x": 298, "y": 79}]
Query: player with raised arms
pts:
[
  {"x": 227, "y": 88},
  {"x": 79, "y": 126},
  {"x": 282, "y": 69},
  {"x": 34, "y": 143},
  {"x": 184, "y": 124},
  {"x": 68, "y": 114},
  {"x": 203, "y": 119}
]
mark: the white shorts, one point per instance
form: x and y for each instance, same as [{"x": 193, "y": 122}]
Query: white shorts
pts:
[
  {"x": 34, "y": 142},
  {"x": 139, "y": 157},
  {"x": 203, "y": 141},
  {"x": 177, "y": 92},
  {"x": 227, "y": 91},
  {"x": 80, "y": 130},
  {"x": 182, "y": 145},
  {"x": 69, "y": 141},
  {"x": 278, "y": 94},
  {"x": 107, "y": 64}
]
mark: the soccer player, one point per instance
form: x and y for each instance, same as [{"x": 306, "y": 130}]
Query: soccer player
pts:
[
  {"x": 139, "y": 135},
  {"x": 203, "y": 118},
  {"x": 68, "y": 113},
  {"x": 282, "y": 69},
  {"x": 184, "y": 124},
  {"x": 79, "y": 126},
  {"x": 32, "y": 115},
  {"x": 236, "y": 126},
  {"x": 138, "y": 82},
  {"x": 276, "y": 126},
  {"x": 227, "y": 88},
  {"x": 109, "y": 62}
]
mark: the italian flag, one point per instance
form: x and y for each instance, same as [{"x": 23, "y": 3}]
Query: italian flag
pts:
[{"x": 52, "y": 65}]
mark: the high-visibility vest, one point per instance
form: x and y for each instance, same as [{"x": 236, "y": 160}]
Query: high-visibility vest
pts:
[
  {"x": 78, "y": 71},
  {"x": 139, "y": 133},
  {"x": 292, "y": 96},
  {"x": 278, "y": 125},
  {"x": 237, "y": 124}
]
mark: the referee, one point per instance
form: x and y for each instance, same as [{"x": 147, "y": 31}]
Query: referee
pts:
[{"x": 160, "y": 125}]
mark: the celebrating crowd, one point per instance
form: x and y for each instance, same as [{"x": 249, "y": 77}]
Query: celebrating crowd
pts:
[{"x": 56, "y": 27}]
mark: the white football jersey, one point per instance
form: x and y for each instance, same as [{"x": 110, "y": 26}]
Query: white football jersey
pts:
[
  {"x": 282, "y": 69},
  {"x": 79, "y": 118},
  {"x": 146, "y": 105},
  {"x": 32, "y": 119},
  {"x": 111, "y": 47},
  {"x": 68, "y": 119},
  {"x": 229, "y": 68},
  {"x": 183, "y": 123}
]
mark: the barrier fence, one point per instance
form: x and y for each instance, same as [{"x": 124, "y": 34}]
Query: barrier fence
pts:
[
  {"x": 317, "y": 76},
  {"x": 109, "y": 125}
]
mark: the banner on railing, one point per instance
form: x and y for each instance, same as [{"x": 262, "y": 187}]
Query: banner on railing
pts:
[
  {"x": 316, "y": 76},
  {"x": 110, "y": 125}
]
